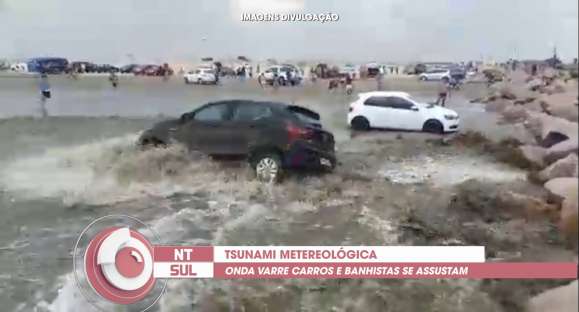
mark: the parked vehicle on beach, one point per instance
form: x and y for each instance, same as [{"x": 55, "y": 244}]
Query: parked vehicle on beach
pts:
[
  {"x": 48, "y": 65},
  {"x": 128, "y": 69},
  {"x": 272, "y": 136},
  {"x": 151, "y": 70},
  {"x": 83, "y": 67},
  {"x": 397, "y": 110},
  {"x": 139, "y": 70},
  {"x": 201, "y": 75},
  {"x": 19, "y": 67},
  {"x": 283, "y": 75},
  {"x": 106, "y": 68},
  {"x": 349, "y": 70},
  {"x": 436, "y": 74}
]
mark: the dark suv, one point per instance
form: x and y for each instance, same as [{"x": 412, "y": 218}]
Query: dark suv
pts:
[{"x": 272, "y": 136}]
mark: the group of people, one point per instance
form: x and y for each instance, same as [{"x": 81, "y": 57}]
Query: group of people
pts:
[
  {"x": 444, "y": 87},
  {"x": 347, "y": 84}
]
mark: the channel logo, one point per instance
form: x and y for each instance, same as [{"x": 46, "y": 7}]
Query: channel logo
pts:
[
  {"x": 119, "y": 265},
  {"x": 114, "y": 264}
]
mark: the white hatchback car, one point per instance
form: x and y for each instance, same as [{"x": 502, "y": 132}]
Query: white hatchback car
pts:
[
  {"x": 201, "y": 76},
  {"x": 437, "y": 74},
  {"x": 397, "y": 110}
]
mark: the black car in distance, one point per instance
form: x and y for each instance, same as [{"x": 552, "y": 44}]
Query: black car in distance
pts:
[{"x": 272, "y": 136}]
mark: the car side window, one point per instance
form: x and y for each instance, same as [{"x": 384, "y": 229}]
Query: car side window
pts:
[
  {"x": 251, "y": 112},
  {"x": 217, "y": 112},
  {"x": 399, "y": 103},
  {"x": 376, "y": 101}
]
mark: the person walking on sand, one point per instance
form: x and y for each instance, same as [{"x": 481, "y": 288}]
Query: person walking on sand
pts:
[
  {"x": 443, "y": 90},
  {"x": 45, "y": 93}
]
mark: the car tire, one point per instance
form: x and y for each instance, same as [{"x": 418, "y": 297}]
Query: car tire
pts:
[
  {"x": 360, "y": 123},
  {"x": 433, "y": 126},
  {"x": 267, "y": 167},
  {"x": 152, "y": 142},
  {"x": 423, "y": 78},
  {"x": 281, "y": 81},
  {"x": 187, "y": 81},
  {"x": 199, "y": 81}
]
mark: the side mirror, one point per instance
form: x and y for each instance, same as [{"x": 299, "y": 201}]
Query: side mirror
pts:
[{"x": 414, "y": 108}]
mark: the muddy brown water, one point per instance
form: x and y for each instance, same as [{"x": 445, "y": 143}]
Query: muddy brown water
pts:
[{"x": 59, "y": 173}]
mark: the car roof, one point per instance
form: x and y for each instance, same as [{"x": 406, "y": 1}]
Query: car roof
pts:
[
  {"x": 384, "y": 93},
  {"x": 244, "y": 102}
]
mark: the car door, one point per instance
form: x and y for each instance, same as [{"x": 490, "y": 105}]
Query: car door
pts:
[
  {"x": 405, "y": 113},
  {"x": 378, "y": 112},
  {"x": 208, "y": 128},
  {"x": 250, "y": 120}
]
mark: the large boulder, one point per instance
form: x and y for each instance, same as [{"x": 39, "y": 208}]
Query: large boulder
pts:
[
  {"x": 565, "y": 167},
  {"x": 562, "y": 188},
  {"x": 542, "y": 124},
  {"x": 550, "y": 73},
  {"x": 569, "y": 216},
  {"x": 565, "y": 190},
  {"x": 561, "y": 105},
  {"x": 514, "y": 114},
  {"x": 560, "y": 299},
  {"x": 562, "y": 149},
  {"x": 518, "y": 77},
  {"x": 534, "y": 154},
  {"x": 558, "y": 135},
  {"x": 503, "y": 90},
  {"x": 534, "y": 84},
  {"x": 521, "y": 134},
  {"x": 557, "y": 86},
  {"x": 527, "y": 204},
  {"x": 498, "y": 105}
]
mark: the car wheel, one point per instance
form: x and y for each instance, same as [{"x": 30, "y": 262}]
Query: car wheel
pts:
[
  {"x": 360, "y": 123},
  {"x": 433, "y": 126},
  {"x": 151, "y": 142},
  {"x": 187, "y": 81},
  {"x": 423, "y": 78},
  {"x": 199, "y": 81},
  {"x": 281, "y": 81},
  {"x": 268, "y": 167}
]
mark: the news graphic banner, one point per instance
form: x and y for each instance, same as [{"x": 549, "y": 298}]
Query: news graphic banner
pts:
[{"x": 121, "y": 264}]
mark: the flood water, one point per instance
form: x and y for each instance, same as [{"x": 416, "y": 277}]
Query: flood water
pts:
[{"x": 59, "y": 173}]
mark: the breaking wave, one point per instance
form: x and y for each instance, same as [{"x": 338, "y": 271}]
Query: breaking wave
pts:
[{"x": 113, "y": 170}]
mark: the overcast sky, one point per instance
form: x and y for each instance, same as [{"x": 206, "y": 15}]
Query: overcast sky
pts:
[{"x": 382, "y": 30}]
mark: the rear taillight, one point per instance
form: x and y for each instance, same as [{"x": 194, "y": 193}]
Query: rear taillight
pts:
[{"x": 296, "y": 132}]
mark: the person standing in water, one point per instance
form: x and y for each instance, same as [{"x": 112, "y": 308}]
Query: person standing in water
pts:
[
  {"x": 349, "y": 84},
  {"x": 380, "y": 79},
  {"x": 45, "y": 93},
  {"x": 114, "y": 79},
  {"x": 443, "y": 89}
]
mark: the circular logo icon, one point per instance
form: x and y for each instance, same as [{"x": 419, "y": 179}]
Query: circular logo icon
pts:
[
  {"x": 119, "y": 265},
  {"x": 114, "y": 264}
]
